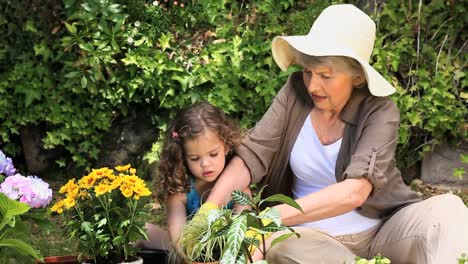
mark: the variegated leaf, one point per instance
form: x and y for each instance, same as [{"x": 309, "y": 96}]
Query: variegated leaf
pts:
[
  {"x": 227, "y": 257},
  {"x": 241, "y": 259},
  {"x": 271, "y": 214},
  {"x": 241, "y": 198},
  {"x": 236, "y": 234}
]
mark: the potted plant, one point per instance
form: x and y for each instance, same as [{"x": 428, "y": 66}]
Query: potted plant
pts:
[
  {"x": 104, "y": 211},
  {"x": 22, "y": 203},
  {"x": 223, "y": 238}
]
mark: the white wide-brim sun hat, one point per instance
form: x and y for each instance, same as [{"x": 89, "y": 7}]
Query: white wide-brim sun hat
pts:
[{"x": 340, "y": 30}]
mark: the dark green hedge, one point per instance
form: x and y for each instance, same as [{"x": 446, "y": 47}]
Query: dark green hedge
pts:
[{"x": 73, "y": 66}]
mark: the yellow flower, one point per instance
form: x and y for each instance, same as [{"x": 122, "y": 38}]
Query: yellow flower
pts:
[
  {"x": 123, "y": 168},
  {"x": 101, "y": 172},
  {"x": 69, "y": 202},
  {"x": 83, "y": 194},
  {"x": 87, "y": 181},
  {"x": 111, "y": 176},
  {"x": 131, "y": 179},
  {"x": 141, "y": 190},
  {"x": 69, "y": 186},
  {"x": 116, "y": 183},
  {"x": 102, "y": 189},
  {"x": 132, "y": 171},
  {"x": 126, "y": 190},
  {"x": 58, "y": 207}
]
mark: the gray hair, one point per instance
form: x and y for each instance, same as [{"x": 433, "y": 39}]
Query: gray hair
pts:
[{"x": 338, "y": 63}]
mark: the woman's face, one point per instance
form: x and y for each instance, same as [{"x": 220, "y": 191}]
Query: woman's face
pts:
[
  {"x": 329, "y": 89},
  {"x": 205, "y": 156}
]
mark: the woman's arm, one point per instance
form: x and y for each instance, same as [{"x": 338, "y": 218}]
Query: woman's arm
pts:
[
  {"x": 176, "y": 216},
  {"x": 257, "y": 150},
  {"x": 236, "y": 176},
  {"x": 331, "y": 201}
]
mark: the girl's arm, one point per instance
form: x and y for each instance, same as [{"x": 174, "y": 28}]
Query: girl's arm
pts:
[{"x": 176, "y": 217}]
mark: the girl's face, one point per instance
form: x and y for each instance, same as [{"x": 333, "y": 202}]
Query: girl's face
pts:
[
  {"x": 205, "y": 156},
  {"x": 329, "y": 89}
]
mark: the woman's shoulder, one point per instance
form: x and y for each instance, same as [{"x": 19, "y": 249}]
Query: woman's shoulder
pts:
[{"x": 380, "y": 104}]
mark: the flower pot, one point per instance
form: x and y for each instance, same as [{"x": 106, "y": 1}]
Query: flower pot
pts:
[
  {"x": 154, "y": 256},
  {"x": 61, "y": 260},
  {"x": 138, "y": 260}
]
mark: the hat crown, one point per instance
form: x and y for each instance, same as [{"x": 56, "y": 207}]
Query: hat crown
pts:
[{"x": 345, "y": 25}]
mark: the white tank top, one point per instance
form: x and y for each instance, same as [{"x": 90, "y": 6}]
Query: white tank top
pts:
[{"x": 313, "y": 165}]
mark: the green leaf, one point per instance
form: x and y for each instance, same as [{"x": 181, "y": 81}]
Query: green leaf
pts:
[
  {"x": 283, "y": 199},
  {"x": 9, "y": 209},
  {"x": 71, "y": 28},
  {"x": 84, "y": 82},
  {"x": 227, "y": 257},
  {"x": 281, "y": 238},
  {"x": 459, "y": 173},
  {"x": 114, "y": 8},
  {"x": 464, "y": 158},
  {"x": 241, "y": 198},
  {"x": 72, "y": 74},
  {"x": 102, "y": 222},
  {"x": 271, "y": 214},
  {"x": 241, "y": 259},
  {"x": 20, "y": 247},
  {"x": 164, "y": 41},
  {"x": 236, "y": 234},
  {"x": 258, "y": 196}
]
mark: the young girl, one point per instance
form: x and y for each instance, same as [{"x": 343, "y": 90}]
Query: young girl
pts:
[{"x": 197, "y": 146}]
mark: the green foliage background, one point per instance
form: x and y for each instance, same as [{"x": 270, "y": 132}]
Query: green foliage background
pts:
[{"x": 73, "y": 66}]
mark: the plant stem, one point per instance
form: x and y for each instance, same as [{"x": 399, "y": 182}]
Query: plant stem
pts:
[
  {"x": 133, "y": 205},
  {"x": 106, "y": 209},
  {"x": 246, "y": 249}
]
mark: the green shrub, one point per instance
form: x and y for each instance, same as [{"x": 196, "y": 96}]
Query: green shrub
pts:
[{"x": 75, "y": 66}]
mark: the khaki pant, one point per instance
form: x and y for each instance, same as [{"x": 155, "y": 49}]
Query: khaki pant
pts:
[{"x": 434, "y": 231}]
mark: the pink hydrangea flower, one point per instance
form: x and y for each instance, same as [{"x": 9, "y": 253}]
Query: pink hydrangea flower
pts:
[
  {"x": 12, "y": 185},
  {"x": 30, "y": 190},
  {"x": 37, "y": 193}
]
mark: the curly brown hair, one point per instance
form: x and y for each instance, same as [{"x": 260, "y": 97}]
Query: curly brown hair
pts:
[{"x": 173, "y": 175}]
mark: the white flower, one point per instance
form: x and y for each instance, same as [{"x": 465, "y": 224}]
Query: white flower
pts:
[
  {"x": 137, "y": 23},
  {"x": 130, "y": 40},
  {"x": 155, "y": 3}
]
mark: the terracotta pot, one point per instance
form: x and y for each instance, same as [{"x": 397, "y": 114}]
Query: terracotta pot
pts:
[{"x": 61, "y": 260}]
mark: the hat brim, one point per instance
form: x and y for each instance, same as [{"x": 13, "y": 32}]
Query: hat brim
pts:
[{"x": 282, "y": 50}]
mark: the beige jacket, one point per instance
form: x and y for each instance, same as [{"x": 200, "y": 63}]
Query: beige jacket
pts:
[{"x": 367, "y": 149}]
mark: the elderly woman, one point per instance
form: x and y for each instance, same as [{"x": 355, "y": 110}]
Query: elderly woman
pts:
[{"x": 328, "y": 140}]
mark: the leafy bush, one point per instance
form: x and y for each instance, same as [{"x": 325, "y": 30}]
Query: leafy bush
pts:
[{"x": 75, "y": 66}]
